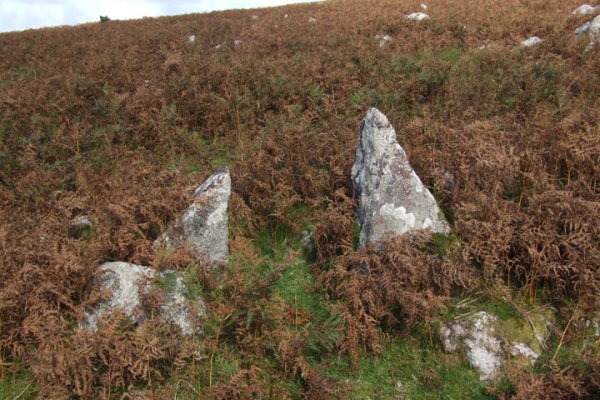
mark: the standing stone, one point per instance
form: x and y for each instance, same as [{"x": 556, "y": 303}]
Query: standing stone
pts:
[
  {"x": 126, "y": 284},
  {"x": 391, "y": 198},
  {"x": 203, "y": 226}
]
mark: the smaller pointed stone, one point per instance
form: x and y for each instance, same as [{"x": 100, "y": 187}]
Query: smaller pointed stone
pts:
[
  {"x": 392, "y": 200},
  {"x": 204, "y": 225}
]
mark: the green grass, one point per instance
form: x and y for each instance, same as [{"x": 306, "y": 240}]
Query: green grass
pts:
[
  {"x": 20, "y": 386},
  {"x": 409, "y": 369}
]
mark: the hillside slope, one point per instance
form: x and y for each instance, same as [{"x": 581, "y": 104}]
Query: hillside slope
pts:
[{"x": 120, "y": 121}]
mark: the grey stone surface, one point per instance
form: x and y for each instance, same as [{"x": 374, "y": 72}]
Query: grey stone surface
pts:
[
  {"x": 485, "y": 346},
  {"x": 530, "y": 42},
  {"x": 391, "y": 198},
  {"x": 417, "y": 16},
  {"x": 125, "y": 285},
  {"x": 204, "y": 225}
]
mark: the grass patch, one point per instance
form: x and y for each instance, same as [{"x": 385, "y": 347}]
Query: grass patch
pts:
[{"x": 408, "y": 368}]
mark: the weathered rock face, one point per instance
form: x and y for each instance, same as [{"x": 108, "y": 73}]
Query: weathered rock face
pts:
[
  {"x": 203, "y": 226},
  {"x": 391, "y": 198},
  {"x": 487, "y": 343},
  {"x": 127, "y": 283}
]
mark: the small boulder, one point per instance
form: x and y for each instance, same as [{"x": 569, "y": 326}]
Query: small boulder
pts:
[
  {"x": 255, "y": 18},
  {"x": 417, "y": 16},
  {"x": 392, "y": 200},
  {"x": 487, "y": 341},
  {"x": 583, "y": 9},
  {"x": 312, "y": 20},
  {"x": 79, "y": 225},
  {"x": 127, "y": 283},
  {"x": 192, "y": 39},
  {"x": 532, "y": 41},
  {"x": 204, "y": 225},
  {"x": 424, "y": 6}
]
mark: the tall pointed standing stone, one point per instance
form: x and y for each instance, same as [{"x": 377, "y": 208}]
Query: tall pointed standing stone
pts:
[
  {"x": 204, "y": 225},
  {"x": 391, "y": 198}
]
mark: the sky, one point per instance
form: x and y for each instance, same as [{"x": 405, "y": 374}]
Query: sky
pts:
[{"x": 17, "y": 15}]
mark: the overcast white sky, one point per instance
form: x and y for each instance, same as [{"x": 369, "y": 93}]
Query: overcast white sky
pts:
[{"x": 16, "y": 15}]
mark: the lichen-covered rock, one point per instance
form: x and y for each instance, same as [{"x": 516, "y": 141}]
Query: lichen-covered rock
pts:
[
  {"x": 127, "y": 283},
  {"x": 417, "y": 16},
  {"x": 530, "y": 42},
  {"x": 204, "y": 225},
  {"x": 487, "y": 342},
  {"x": 391, "y": 198}
]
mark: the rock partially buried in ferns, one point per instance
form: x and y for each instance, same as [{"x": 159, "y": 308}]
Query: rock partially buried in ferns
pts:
[
  {"x": 392, "y": 200},
  {"x": 126, "y": 284},
  {"x": 203, "y": 226}
]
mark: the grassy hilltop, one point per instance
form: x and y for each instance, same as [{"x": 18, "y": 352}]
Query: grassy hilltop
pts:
[{"x": 120, "y": 121}]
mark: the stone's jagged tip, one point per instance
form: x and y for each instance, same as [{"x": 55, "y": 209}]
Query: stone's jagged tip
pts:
[{"x": 204, "y": 225}]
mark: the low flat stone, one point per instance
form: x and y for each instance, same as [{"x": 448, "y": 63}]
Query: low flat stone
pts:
[
  {"x": 417, "y": 16},
  {"x": 484, "y": 340},
  {"x": 532, "y": 41},
  {"x": 392, "y": 200},
  {"x": 204, "y": 225},
  {"x": 126, "y": 284}
]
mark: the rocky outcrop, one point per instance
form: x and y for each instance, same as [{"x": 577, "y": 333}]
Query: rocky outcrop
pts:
[
  {"x": 125, "y": 286},
  {"x": 487, "y": 341},
  {"x": 392, "y": 200},
  {"x": 204, "y": 225}
]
